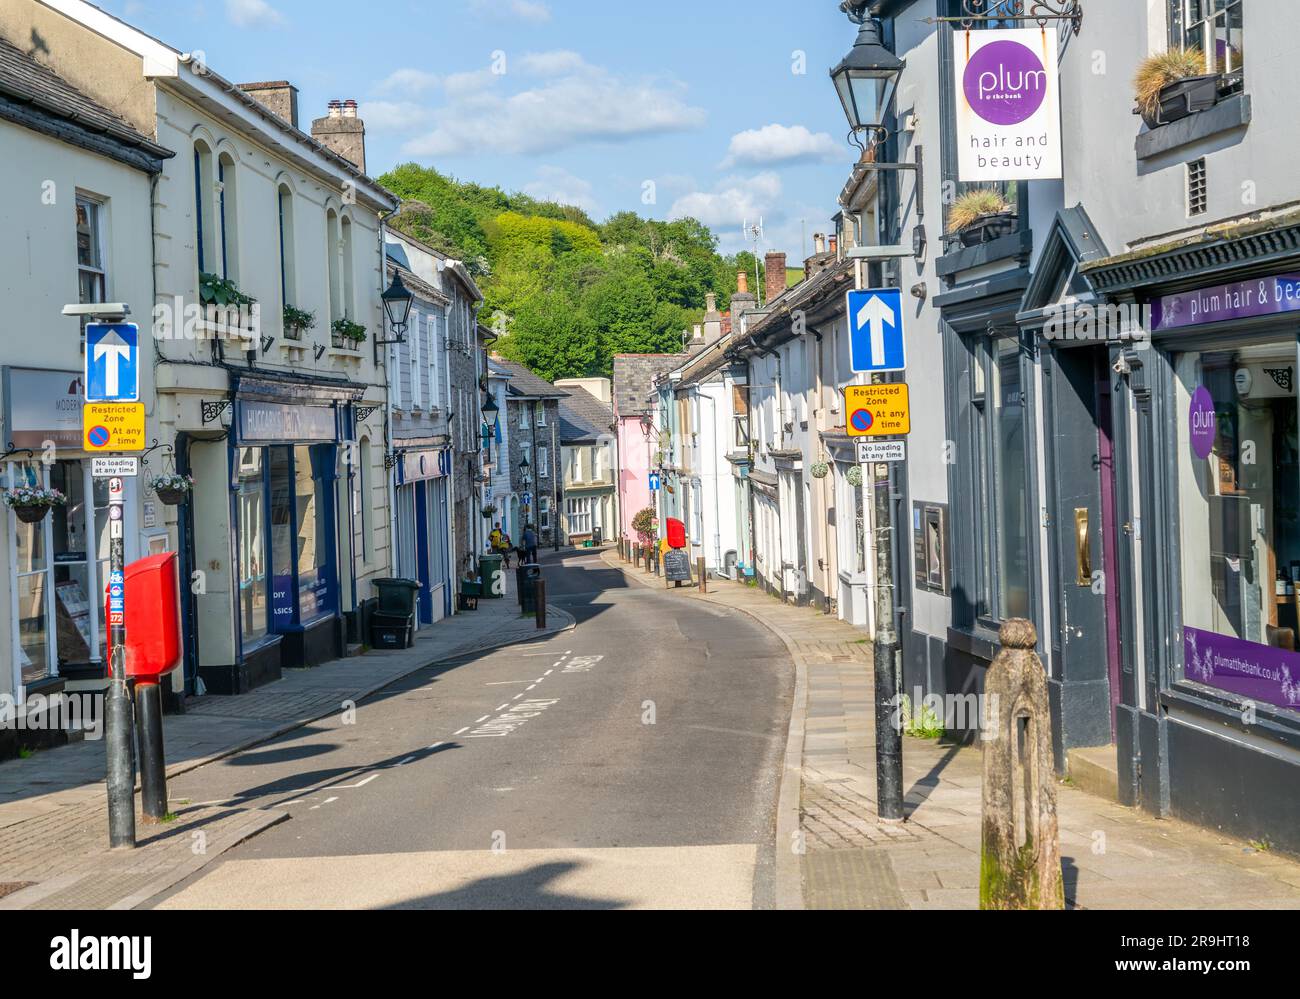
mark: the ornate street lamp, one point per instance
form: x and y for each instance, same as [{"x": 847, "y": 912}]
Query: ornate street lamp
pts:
[
  {"x": 397, "y": 301},
  {"x": 866, "y": 79}
]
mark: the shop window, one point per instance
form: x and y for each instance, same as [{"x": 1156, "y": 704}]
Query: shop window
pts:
[
  {"x": 313, "y": 534},
  {"x": 250, "y": 508},
  {"x": 1239, "y": 505},
  {"x": 80, "y": 551},
  {"x": 31, "y": 578},
  {"x": 1000, "y": 480},
  {"x": 579, "y": 510},
  {"x": 1214, "y": 28}
]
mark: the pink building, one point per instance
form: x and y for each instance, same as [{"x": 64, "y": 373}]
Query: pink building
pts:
[{"x": 634, "y": 376}]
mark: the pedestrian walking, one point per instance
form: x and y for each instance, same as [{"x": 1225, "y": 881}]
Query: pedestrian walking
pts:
[{"x": 529, "y": 545}]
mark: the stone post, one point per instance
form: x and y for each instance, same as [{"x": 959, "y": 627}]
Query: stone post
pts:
[{"x": 1020, "y": 851}]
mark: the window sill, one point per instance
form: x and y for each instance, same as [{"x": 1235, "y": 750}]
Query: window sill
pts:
[
  {"x": 1225, "y": 708},
  {"x": 1232, "y": 112},
  {"x": 1016, "y": 245},
  {"x": 978, "y": 642}
]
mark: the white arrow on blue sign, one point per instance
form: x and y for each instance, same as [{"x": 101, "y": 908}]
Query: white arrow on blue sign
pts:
[
  {"x": 876, "y": 338},
  {"x": 654, "y": 483},
  {"x": 112, "y": 362}
]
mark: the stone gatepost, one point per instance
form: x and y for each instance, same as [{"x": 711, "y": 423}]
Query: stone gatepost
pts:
[{"x": 1020, "y": 856}]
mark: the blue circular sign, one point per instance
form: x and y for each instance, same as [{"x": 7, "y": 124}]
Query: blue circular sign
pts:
[
  {"x": 98, "y": 436},
  {"x": 863, "y": 420}
]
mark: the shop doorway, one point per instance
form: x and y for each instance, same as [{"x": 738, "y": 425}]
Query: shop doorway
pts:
[{"x": 1083, "y": 545}]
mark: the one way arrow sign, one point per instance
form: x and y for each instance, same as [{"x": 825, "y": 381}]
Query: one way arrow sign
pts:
[
  {"x": 876, "y": 330},
  {"x": 112, "y": 362}
]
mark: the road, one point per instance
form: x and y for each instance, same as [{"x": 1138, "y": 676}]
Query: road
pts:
[{"x": 631, "y": 762}]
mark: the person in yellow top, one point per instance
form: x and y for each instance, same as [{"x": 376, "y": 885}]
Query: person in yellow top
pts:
[{"x": 495, "y": 538}]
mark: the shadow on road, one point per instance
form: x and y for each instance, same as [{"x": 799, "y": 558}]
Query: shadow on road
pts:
[{"x": 523, "y": 890}]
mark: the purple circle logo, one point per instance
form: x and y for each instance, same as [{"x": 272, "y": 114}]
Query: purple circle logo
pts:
[
  {"x": 1202, "y": 423},
  {"x": 1005, "y": 83}
]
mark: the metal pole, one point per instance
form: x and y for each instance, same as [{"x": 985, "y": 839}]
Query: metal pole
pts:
[
  {"x": 149, "y": 732},
  {"x": 117, "y": 702},
  {"x": 889, "y": 735}
]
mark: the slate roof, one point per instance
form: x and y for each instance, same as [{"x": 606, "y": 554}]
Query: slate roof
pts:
[
  {"x": 25, "y": 82},
  {"x": 524, "y": 383},
  {"x": 584, "y": 418},
  {"x": 634, "y": 377}
]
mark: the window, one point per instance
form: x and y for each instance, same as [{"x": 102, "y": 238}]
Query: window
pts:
[
  {"x": 524, "y": 424},
  {"x": 91, "y": 274},
  {"x": 205, "y": 230},
  {"x": 1214, "y": 27},
  {"x": 1239, "y": 490},
  {"x": 332, "y": 243},
  {"x": 543, "y": 463},
  {"x": 432, "y": 353},
  {"x": 575, "y": 464},
  {"x": 417, "y": 388},
  {"x": 541, "y": 414},
  {"x": 284, "y": 204},
  {"x": 228, "y": 214},
  {"x": 349, "y": 305},
  {"x": 250, "y": 505},
  {"x": 364, "y": 500},
  {"x": 543, "y": 513},
  {"x": 596, "y": 470},
  {"x": 1000, "y": 479},
  {"x": 579, "y": 511}
]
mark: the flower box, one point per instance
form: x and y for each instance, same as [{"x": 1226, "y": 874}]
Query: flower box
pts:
[
  {"x": 1185, "y": 97},
  {"x": 988, "y": 228}
]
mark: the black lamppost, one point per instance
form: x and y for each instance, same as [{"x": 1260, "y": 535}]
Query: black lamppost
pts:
[
  {"x": 397, "y": 301},
  {"x": 865, "y": 81},
  {"x": 866, "y": 78}
]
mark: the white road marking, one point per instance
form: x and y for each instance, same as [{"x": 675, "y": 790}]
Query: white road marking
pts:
[
  {"x": 296, "y": 801},
  {"x": 547, "y": 673},
  {"x": 504, "y": 683},
  {"x": 502, "y": 707},
  {"x": 406, "y": 761},
  {"x": 483, "y": 719},
  {"x": 530, "y": 688},
  {"x": 507, "y": 723},
  {"x": 367, "y": 780},
  {"x": 437, "y": 745},
  {"x": 461, "y": 731}
]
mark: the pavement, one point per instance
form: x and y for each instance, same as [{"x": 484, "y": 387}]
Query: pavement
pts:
[
  {"x": 53, "y": 825},
  {"x": 832, "y": 852}
]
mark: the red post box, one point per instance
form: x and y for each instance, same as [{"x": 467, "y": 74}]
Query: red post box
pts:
[
  {"x": 676, "y": 533},
  {"x": 153, "y": 617}
]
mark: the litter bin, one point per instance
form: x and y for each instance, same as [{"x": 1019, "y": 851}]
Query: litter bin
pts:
[
  {"x": 489, "y": 571},
  {"x": 525, "y": 577},
  {"x": 392, "y": 625}
]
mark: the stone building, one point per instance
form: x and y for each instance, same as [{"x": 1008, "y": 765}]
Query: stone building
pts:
[{"x": 533, "y": 413}]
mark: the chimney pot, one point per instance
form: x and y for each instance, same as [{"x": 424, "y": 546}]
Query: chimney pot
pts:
[
  {"x": 742, "y": 283},
  {"x": 819, "y": 243}
]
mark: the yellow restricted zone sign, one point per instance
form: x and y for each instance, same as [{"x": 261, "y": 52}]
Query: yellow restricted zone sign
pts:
[
  {"x": 113, "y": 426},
  {"x": 878, "y": 410}
]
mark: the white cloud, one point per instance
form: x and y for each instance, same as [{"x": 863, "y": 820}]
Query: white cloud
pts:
[
  {"x": 554, "y": 63},
  {"x": 575, "y": 103},
  {"x": 557, "y": 184},
  {"x": 253, "y": 14},
  {"x": 533, "y": 11},
  {"x": 733, "y": 202},
  {"x": 394, "y": 116},
  {"x": 781, "y": 144},
  {"x": 409, "y": 82}
]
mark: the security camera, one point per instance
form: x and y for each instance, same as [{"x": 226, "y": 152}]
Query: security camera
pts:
[
  {"x": 99, "y": 310},
  {"x": 1121, "y": 366}
]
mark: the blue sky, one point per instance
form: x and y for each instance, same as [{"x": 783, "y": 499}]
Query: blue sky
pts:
[{"x": 587, "y": 101}]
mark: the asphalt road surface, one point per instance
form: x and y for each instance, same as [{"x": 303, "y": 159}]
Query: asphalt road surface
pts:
[{"x": 632, "y": 762}]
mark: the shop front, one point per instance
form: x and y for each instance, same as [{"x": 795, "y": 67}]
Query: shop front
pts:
[
  {"x": 284, "y": 528},
  {"x": 57, "y": 566},
  {"x": 423, "y": 526},
  {"x": 1207, "y": 420}
]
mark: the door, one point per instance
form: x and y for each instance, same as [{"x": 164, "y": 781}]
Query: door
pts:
[{"x": 1085, "y": 643}]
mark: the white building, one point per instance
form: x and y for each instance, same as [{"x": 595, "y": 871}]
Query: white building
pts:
[{"x": 76, "y": 213}]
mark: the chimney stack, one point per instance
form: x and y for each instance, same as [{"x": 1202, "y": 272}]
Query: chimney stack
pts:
[
  {"x": 819, "y": 243},
  {"x": 776, "y": 279},
  {"x": 742, "y": 283},
  {"x": 280, "y": 97},
  {"x": 743, "y": 300},
  {"x": 712, "y": 320},
  {"x": 342, "y": 132}
]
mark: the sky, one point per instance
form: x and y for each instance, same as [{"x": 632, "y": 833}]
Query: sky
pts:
[{"x": 718, "y": 109}]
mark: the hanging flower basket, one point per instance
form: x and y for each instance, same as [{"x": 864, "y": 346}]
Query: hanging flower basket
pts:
[
  {"x": 820, "y": 469},
  {"x": 489, "y": 512},
  {"x": 30, "y": 505},
  {"x": 854, "y": 475},
  {"x": 173, "y": 489}
]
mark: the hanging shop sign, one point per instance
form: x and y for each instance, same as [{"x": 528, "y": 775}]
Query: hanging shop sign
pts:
[
  {"x": 421, "y": 466},
  {"x": 1008, "y": 101},
  {"x": 1257, "y": 672}
]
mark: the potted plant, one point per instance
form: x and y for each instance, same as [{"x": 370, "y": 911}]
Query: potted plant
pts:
[
  {"x": 980, "y": 216},
  {"x": 1172, "y": 85},
  {"x": 489, "y": 511},
  {"x": 347, "y": 333},
  {"x": 297, "y": 322},
  {"x": 30, "y": 504},
  {"x": 173, "y": 489},
  {"x": 820, "y": 469},
  {"x": 854, "y": 475}
]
